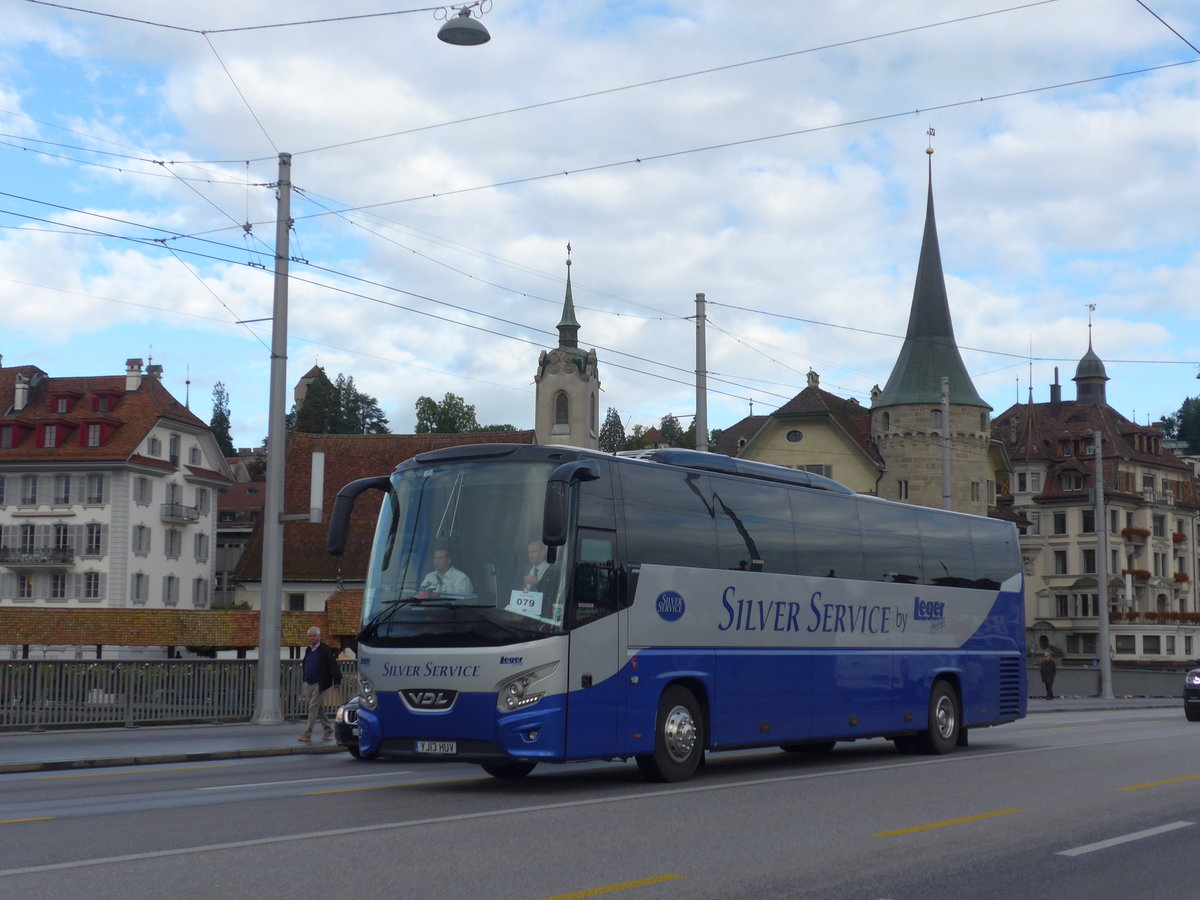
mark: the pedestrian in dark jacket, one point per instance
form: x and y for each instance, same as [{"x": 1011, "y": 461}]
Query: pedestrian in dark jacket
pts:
[
  {"x": 1048, "y": 670},
  {"x": 321, "y": 672}
]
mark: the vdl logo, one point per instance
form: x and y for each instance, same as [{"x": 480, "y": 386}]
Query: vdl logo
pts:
[{"x": 670, "y": 606}]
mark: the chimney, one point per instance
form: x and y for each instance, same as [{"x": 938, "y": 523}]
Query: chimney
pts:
[
  {"x": 1055, "y": 390},
  {"x": 154, "y": 371},
  {"x": 20, "y": 393},
  {"x": 133, "y": 374}
]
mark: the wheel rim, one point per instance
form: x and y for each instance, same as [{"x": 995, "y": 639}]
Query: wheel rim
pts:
[
  {"x": 679, "y": 734},
  {"x": 943, "y": 717}
]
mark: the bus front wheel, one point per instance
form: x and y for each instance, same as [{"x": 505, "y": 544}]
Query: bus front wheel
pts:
[
  {"x": 678, "y": 738},
  {"x": 945, "y": 720}
]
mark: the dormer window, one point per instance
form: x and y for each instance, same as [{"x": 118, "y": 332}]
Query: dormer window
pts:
[
  {"x": 104, "y": 403},
  {"x": 49, "y": 435},
  {"x": 6, "y": 437},
  {"x": 62, "y": 405}
]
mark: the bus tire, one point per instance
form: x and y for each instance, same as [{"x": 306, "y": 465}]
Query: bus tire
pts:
[
  {"x": 817, "y": 748},
  {"x": 945, "y": 720},
  {"x": 1192, "y": 713},
  {"x": 678, "y": 738},
  {"x": 354, "y": 751},
  {"x": 509, "y": 769}
]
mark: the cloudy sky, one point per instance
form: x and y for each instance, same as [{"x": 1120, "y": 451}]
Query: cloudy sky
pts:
[{"x": 771, "y": 156}]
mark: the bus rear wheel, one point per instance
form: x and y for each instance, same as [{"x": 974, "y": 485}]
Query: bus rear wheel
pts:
[
  {"x": 945, "y": 720},
  {"x": 678, "y": 738},
  {"x": 509, "y": 769}
]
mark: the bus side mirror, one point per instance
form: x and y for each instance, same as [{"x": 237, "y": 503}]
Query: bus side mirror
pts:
[
  {"x": 343, "y": 505},
  {"x": 558, "y": 489}
]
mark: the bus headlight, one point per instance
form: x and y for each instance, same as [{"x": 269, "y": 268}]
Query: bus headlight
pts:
[
  {"x": 366, "y": 693},
  {"x": 521, "y": 690}
]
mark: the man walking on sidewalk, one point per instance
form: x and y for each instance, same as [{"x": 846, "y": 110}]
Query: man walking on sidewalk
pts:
[
  {"x": 1048, "y": 670},
  {"x": 321, "y": 672}
]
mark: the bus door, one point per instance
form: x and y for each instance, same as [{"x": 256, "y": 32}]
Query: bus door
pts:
[{"x": 596, "y": 686}]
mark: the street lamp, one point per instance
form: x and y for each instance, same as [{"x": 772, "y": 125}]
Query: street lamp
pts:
[{"x": 462, "y": 30}]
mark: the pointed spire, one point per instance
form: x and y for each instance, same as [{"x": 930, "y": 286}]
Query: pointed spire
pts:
[
  {"x": 929, "y": 352},
  {"x": 568, "y": 327}
]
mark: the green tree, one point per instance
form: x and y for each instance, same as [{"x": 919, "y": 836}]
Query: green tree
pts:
[
  {"x": 219, "y": 423},
  {"x": 358, "y": 413},
  {"x": 337, "y": 407},
  {"x": 612, "y": 432},
  {"x": 1184, "y": 424},
  {"x": 671, "y": 430},
  {"x": 636, "y": 439},
  {"x": 452, "y": 416},
  {"x": 318, "y": 412}
]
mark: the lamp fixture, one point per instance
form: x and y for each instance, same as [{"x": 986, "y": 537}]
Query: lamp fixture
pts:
[{"x": 461, "y": 28}]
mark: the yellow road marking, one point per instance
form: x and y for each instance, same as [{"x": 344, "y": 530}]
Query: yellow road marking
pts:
[
  {"x": 33, "y": 819},
  {"x": 946, "y": 824},
  {"x": 137, "y": 771},
  {"x": 1150, "y": 784},
  {"x": 613, "y": 888}
]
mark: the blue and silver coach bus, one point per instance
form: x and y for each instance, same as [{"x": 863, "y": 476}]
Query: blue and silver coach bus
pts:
[{"x": 691, "y": 603}]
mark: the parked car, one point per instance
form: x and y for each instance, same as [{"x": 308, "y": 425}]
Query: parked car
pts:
[
  {"x": 345, "y": 727},
  {"x": 1191, "y": 695}
]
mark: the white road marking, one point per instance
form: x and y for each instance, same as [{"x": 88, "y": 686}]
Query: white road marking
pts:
[
  {"x": 233, "y": 787},
  {"x": 1124, "y": 839}
]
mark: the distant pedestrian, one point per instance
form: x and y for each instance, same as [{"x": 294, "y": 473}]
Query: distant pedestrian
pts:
[
  {"x": 1048, "y": 671},
  {"x": 321, "y": 672}
]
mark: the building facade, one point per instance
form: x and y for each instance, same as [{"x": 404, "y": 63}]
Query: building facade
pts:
[
  {"x": 108, "y": 492},
  {"x": 1145, "y": 540}
]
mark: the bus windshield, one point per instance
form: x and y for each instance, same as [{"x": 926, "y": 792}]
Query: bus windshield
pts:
[{"x": 458, "y": 560}]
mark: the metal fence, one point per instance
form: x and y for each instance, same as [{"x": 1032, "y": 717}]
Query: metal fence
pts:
[
  {"x": 1073, "y": 681},
  {"x": 36, "y": 695}
]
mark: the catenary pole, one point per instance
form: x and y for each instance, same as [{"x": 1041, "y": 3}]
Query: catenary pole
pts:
[
  {"x": 1101, "y": 526},
  {"x": 701, "y": 379},
  {"x": 267, "y": 708}
]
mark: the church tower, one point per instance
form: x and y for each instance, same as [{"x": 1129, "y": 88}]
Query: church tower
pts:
[
  {"x": 907, "y": 416},
  {"x": 567, "y": 404}
]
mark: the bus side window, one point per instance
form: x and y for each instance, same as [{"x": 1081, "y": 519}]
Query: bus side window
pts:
[{"x": 595, "y": 588}]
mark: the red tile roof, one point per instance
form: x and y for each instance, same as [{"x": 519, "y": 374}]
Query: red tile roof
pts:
[
  {"x": 348, "y": 457},
  {"x": 133, "y": 414}
]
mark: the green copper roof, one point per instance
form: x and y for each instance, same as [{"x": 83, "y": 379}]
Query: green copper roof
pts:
[
  {"x": 929, "y": 352},
  {"x": 568, "y": 327},
  {"x": 1091, "y": 366}
]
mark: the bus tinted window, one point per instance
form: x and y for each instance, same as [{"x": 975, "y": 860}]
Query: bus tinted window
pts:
[
  {"x": 893, "y": 548},
  {"x": 946, "y": 558},
  {"x": 997, "y": 557},
  {"x": 828, "y": 542},
  {"x": 754, "y": 526},
  {"x": 668, "y": 517}
]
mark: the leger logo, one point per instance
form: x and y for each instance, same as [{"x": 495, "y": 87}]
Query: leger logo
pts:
[{"x": 427, "y": 701}]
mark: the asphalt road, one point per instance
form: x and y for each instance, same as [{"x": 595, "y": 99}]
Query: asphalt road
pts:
[{"x": 1064, "y": 805}]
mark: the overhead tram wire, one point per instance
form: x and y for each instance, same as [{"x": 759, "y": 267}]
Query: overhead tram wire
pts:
[
  {"x": 206, "y": 31},
  {"x": 1019, "y": 356},
  {"x": 161, "y": 243},
  {"x": 669, "y": 78},
  {"x": 663, "y": 317}
]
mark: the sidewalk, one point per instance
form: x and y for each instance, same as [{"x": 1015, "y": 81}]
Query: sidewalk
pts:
[
  {"x": 84, "y": 748},
  {"x": 27, "y": 751}
]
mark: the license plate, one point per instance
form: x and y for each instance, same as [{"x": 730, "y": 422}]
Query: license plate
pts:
[{"x": 437, "y": 748}]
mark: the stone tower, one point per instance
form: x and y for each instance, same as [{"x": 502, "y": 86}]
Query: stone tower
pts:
[
  {"x": 907, "y": 417},
  {"x": 567, "y": 404}
]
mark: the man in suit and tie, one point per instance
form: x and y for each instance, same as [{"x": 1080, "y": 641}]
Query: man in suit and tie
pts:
[{"x": 541, "y": 577}]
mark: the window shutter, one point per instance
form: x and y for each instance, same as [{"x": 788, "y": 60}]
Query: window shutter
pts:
[{"x": 104, "y": 540}]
